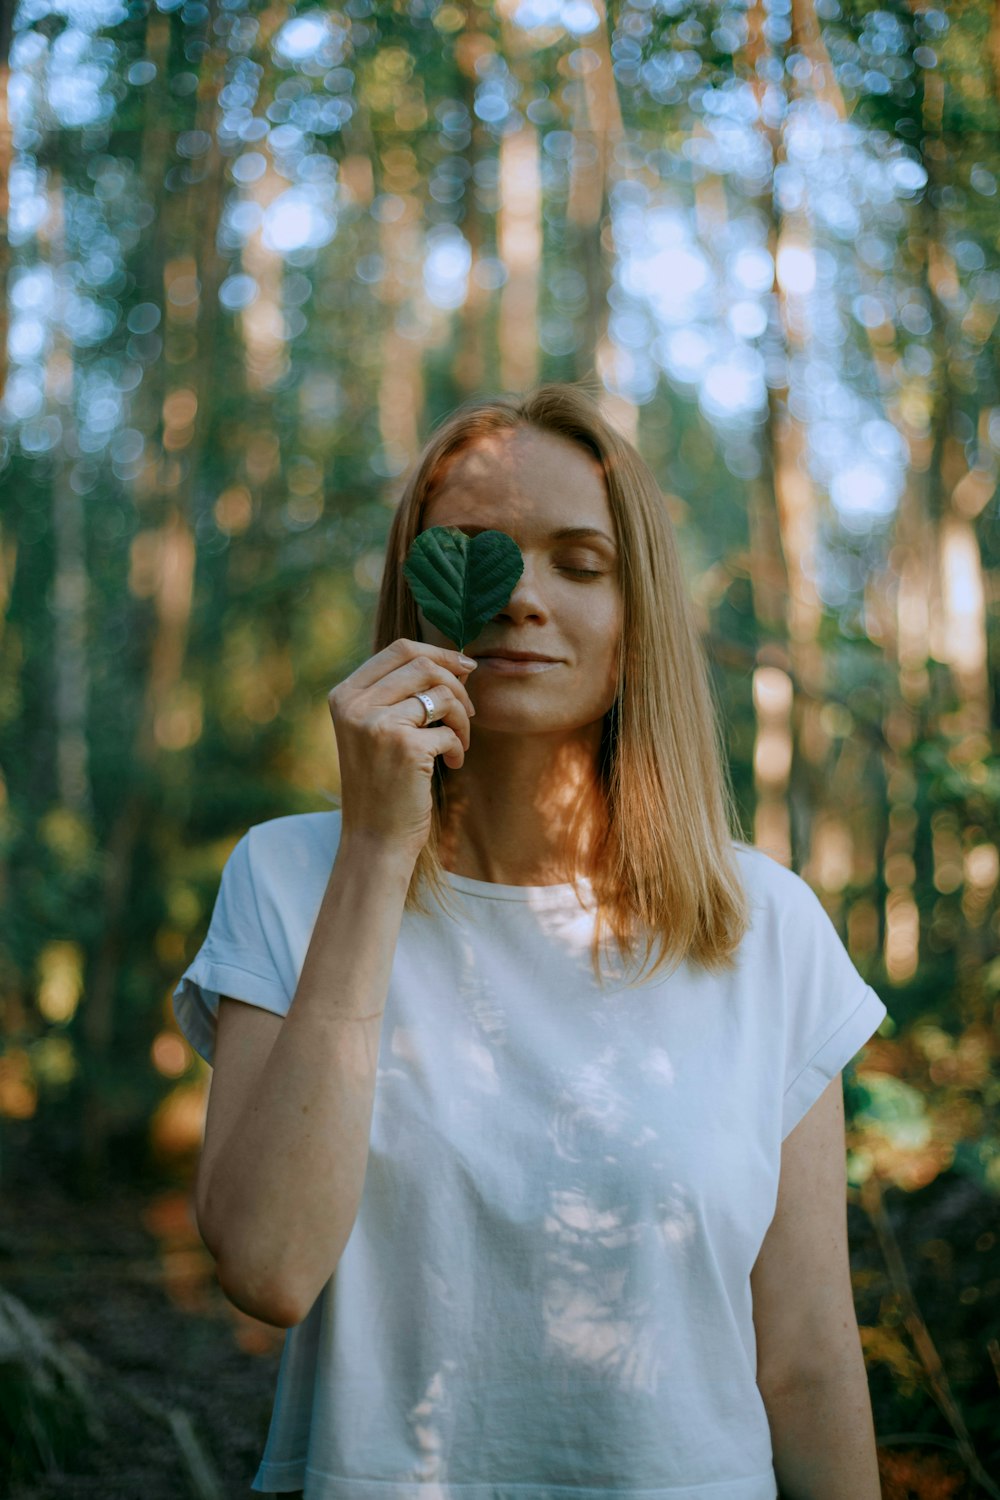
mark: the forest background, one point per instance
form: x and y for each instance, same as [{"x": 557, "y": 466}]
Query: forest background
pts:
[{"x": 251, "y": 253}]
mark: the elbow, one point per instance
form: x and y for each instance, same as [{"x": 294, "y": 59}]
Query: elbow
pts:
[
  {"x": 259, "y": 1301},
  {"x": 208, "y": 1238},
  {"x": 244, "y": 1291},
  {"x": 271, "y": 1296},
  {"x": 275, "y": 1292}
]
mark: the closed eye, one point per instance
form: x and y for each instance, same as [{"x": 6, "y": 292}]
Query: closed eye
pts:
[{"x": 584, "y": 572}]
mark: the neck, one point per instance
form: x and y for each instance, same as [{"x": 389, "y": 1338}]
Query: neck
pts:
[{"x": 525, "y": 809}]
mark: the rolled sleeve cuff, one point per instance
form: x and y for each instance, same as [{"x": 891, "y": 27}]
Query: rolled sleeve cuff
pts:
[{"x": 848, "y": 1039}]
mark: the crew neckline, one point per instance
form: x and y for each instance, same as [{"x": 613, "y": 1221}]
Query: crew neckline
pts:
[{"x": 489, "y": 890}]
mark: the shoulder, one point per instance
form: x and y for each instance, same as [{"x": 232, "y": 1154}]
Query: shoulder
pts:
[
  {"x": 286, "y": 864},
  {"x": 295, "y": 843},
  {"x": 793, "y": 927},
  {"x": 774, "y": 888},
  {"x": 297, "y": 828}
]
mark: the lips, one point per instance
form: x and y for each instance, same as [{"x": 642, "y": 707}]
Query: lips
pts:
[{"x": 514, "y": 656}]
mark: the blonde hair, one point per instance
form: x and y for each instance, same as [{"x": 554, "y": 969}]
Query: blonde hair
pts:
[{"x": 665, "y": 867}]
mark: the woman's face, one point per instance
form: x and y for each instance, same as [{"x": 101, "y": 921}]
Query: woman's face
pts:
[{"x": 567, "y": 604}]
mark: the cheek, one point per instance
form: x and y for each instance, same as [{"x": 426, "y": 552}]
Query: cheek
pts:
[
  {"x": 604, "y": 621},
  {"x": 603, "y": 625}
]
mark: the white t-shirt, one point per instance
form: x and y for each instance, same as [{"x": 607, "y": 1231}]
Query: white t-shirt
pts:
[{"x": 546, "y": 1291}]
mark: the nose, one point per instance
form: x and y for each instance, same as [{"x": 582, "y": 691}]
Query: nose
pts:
[{"x": 526, "y": 602}]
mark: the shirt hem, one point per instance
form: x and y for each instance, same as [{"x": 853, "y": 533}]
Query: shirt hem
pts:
[{"x": 762, "y": 1486}]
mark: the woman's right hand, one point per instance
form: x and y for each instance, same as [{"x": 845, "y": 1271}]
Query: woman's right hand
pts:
[{"x": 386, "y": 759}]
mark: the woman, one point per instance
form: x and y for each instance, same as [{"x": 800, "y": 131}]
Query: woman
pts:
[{"x": 586, "y": 1216}]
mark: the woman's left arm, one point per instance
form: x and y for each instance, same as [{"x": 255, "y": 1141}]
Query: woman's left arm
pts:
[{"x": 810, "y": 1367}]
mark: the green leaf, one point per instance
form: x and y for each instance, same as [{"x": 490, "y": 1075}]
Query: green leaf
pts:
[{"x": 460, "y": 582}]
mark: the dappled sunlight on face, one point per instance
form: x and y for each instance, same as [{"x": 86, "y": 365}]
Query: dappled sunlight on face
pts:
[
  {"x": 567, "y": 603},
  {"x": 535, "y": 737}
]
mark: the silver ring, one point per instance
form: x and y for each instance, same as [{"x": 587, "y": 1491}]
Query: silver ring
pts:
[{"x": 431, "y": 711}]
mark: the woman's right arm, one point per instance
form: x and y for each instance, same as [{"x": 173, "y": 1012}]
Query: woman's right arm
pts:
[
  {"x": 279, "y": 1191},
  {"x": 283, "y": 1189}
]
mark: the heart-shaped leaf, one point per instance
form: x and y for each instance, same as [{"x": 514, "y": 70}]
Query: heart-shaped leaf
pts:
[{"x": 460, "y": 582}]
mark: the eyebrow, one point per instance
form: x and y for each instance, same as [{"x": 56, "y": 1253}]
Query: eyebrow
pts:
[{"x": 561, "y": 534}]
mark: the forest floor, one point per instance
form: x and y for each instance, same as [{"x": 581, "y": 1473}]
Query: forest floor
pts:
[{"x": 185, "y": 1382}]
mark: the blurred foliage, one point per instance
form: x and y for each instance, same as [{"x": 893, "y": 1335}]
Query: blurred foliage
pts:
[
  {"x": 46, "y": 1406},
  {"x": 254, "y": 251}
]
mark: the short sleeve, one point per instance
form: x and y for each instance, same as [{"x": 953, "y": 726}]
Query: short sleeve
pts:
[
  {"x": 235, "y": 959},
  {"x": 831, "y": 1011}
]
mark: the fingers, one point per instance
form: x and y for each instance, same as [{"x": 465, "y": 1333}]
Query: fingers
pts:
[
  {"x": 401, "y": 652},
  {"x": 444, "y": 742},
  {"x": 421, "y": 675},
  {"x": 451, "y": 711},
  {"x": 386, "y": 754},
  {"x": 417, "y": 672},
  {"x": 385, "y": 685}
]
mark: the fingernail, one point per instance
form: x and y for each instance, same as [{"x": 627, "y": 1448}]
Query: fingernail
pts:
[{"x": 468, "y": 661}]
